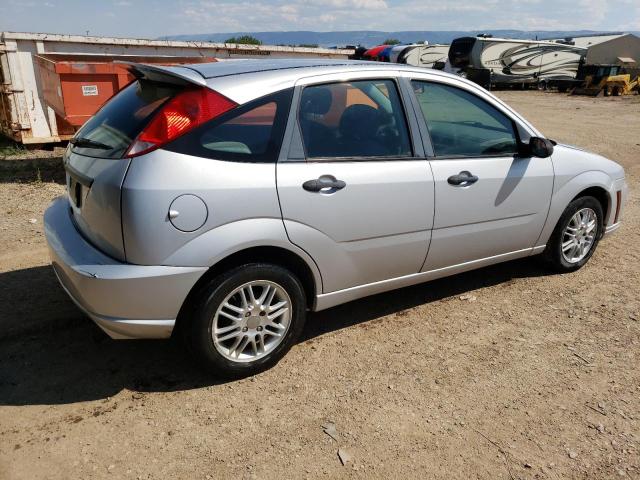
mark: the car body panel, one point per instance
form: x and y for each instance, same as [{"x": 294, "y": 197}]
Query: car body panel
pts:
[
  {"x": 239, "y": 236},
  {"x": 376, "y": 227},
  {"x": 231, "y": 191},
  {"x": 125, "y": 300},
  {"x": 504, "y": 211},
  {"x": 343, "y": 230},
  {"x": 575, "y": 171},
  {"x": 396, "y": 223},
  {"x": 98, "y": 216},
  {"x": 339, "y": 297},
  {"x": 165, "y": 73}
]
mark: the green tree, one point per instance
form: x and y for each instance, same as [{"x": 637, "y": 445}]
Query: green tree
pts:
[
  {"x": 391, "y": 41},
  {"x": 244, "y": 40}
]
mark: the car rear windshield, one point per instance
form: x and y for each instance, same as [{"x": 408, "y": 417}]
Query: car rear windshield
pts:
[{"x": 110, "y": 132}]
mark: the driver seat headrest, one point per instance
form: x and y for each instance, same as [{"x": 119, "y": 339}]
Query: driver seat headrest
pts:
[
  {"x": 316, "y": 100},
  {"x": 360, "y": 122}
]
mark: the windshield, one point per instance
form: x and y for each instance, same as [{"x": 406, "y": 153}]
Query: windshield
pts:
[{"x": 110, "y": 132}]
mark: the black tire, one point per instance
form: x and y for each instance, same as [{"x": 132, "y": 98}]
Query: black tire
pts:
[
  {"x": 198, "y": 332},
  {"x": 552, "y": 254}
]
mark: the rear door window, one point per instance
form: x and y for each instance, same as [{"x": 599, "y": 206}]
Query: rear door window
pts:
[
  {"x": 353, "y": 119},
  {"x": 114, "y": 127},
  {"x": 462, "y": 124},
  {"x": 250, "y": 133}
]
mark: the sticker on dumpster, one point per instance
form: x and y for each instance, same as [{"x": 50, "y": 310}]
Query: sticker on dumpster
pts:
[{"x": 89, "y": 90}]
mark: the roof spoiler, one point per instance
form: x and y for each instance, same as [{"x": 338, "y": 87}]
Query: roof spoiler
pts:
[{"x": 177, "y": 75}]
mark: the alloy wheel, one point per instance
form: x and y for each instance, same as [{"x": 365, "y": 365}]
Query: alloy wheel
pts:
[
  {"x": 251, "y": 321},
  {"x": 579, "y": 235}
]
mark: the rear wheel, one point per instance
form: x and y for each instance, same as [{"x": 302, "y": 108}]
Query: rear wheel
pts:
[
  {"x": 576, "y": 235},
  {"x": 244, "y": 321}
]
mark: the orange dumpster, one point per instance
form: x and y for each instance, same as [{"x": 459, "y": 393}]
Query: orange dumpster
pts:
[{"x": 75, "y": 88}]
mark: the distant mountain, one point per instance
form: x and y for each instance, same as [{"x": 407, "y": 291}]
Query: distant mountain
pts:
[{"x": 370, "y": 37}]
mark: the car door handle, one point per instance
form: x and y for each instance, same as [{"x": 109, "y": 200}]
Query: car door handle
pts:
[
  {"x": 324, "y": 182},
  {"x": 462, "y": 179}
]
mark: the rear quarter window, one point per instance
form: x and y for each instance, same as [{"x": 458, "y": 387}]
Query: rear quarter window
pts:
[{"x": 250, "y": 133}]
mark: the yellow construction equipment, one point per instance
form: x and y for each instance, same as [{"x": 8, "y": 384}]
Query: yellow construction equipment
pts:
[
  {"x": 606, "y": 80},
  {"x": 620, "y": 85}
]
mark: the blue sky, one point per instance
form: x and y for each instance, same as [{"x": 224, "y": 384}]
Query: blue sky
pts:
[{"x": 154, "y": 18}]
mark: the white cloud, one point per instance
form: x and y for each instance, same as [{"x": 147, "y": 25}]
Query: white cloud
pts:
[
  {"x": 394, "y": 15},
  {"x": 153, "y": 18},
  {"x": 352, "y": 4}
]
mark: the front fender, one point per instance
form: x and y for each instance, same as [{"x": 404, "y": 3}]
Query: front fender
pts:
[{"x": 565, "y": 189}]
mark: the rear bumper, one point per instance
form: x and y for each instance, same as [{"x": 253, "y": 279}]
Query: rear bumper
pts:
[{"x": 126, "y": 301}]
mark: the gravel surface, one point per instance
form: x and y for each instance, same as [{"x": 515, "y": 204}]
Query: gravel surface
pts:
[{"x": 508, "y": 372}]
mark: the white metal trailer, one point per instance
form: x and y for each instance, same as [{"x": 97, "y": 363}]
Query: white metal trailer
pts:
[
  {"x": 516, "y": 61},
  {"x": 425, "y": 55},
  {"x": 26, "y": 118}
]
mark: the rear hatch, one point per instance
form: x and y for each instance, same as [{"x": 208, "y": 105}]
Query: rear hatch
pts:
[{"x": 97, "y": 159}]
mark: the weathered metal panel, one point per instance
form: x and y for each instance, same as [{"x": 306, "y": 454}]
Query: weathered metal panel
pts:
[
  {"x": 26, "y": 116},
  {"x": 607, "y": 53}
]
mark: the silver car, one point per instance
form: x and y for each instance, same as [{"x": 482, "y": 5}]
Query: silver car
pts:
[{"x": 223, "y": 201}]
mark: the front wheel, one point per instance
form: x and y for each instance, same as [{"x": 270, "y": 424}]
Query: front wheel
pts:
[
  {"x": 245, "y": 320},
  {"x": 576, "y": 235}
]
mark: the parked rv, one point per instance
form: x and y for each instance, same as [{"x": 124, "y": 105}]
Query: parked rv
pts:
[
  {"x": 425, "y": 55},
  {"x": 375, "y": 53},
  {"x": 498, "y": 61}
]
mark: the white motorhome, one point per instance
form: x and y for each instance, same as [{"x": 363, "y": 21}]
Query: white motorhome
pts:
[
  {"x": 508, "y": 61},
  {"x": 424, "y": 55}
]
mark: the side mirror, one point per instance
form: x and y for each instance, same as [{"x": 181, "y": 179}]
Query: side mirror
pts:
[{"x": 540, "y": 147}]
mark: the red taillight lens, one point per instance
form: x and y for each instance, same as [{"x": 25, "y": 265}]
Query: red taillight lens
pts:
[{"x": 182, "y": 113}]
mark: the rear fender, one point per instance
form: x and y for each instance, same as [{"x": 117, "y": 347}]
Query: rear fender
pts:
[{"x": 215, "y": 245}]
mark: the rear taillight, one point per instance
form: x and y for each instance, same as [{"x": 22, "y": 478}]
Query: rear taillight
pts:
[{"x": 182, "y": 113}]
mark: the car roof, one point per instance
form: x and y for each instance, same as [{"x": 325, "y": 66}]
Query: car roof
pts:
[
  {"x": 242, "y": 80},
  {"x": 226, "y": 68},
  {"x": 261, "y": 77},
  {"x": 245, "y": 80}
]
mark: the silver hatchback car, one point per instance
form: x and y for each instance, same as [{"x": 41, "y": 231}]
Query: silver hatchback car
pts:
[{"x": 226, "y": 200}]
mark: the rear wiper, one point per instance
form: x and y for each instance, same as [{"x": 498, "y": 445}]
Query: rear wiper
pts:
[{"x": 87, "y": 143}]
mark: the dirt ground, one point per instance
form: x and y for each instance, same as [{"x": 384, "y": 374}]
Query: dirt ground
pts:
[{"x": 508, "y": 372}]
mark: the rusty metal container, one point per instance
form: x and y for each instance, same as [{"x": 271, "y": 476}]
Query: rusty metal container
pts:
[
  {"x": 45, "y": 100},
  {"x": 75, "y": 88}
]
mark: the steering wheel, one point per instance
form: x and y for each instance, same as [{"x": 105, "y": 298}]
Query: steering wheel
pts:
[
  {"x": 387, "y": 132},
  {"x": 496, "y": 146}
]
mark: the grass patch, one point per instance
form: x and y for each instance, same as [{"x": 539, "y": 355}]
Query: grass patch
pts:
[
  {"x": 9, "y": 148},
  {"x": 30, "y": 171}
]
